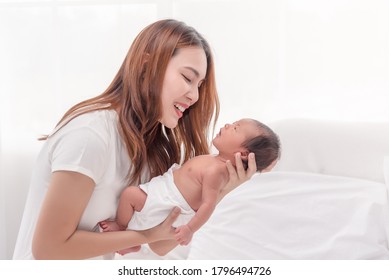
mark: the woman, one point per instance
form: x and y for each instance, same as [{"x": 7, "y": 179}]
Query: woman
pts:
[{"x": 156, "y": 112}]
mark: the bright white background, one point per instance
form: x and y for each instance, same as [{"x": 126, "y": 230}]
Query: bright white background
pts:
[{"x": 275, "y": 59}]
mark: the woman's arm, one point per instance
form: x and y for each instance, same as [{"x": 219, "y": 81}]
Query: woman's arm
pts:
[
  {"x": 161, "y": 248},
  {"x": 238, "y": 176},
  {"x": 56, "y": 235}
]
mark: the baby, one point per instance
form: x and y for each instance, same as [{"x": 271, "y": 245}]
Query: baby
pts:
[{"x": 195, "y": 185}]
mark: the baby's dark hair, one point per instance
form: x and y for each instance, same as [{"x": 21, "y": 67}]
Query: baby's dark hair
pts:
[{"x": 266, "y": 147}]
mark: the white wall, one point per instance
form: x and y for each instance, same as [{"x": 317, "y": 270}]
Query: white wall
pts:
[{"x": 275, "y": 59}]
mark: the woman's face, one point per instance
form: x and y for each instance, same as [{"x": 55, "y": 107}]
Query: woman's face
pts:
[{"x": 184, "y": 74}]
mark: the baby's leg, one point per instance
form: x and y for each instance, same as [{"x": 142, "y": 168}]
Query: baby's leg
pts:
[{"x": 132, "y": 199}]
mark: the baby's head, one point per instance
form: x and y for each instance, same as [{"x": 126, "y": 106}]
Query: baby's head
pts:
[
  {"x": 266, "y": 148},
  {"x": 249, "y": 136}
]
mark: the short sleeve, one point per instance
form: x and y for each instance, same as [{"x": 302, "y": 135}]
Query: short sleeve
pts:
[{"x": 80, "y": 150}]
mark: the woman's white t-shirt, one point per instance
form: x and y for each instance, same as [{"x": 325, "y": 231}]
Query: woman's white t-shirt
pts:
[{"x": 89, "y": 144}]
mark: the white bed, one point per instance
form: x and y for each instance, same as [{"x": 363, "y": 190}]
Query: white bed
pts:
[{"x": 326, "y": 199}]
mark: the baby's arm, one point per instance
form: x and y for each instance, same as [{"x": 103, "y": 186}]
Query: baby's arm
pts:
[{"x": 212, "y": 183}]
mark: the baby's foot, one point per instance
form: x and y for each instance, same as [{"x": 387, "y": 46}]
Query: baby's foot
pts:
[
  {"x": 129, "y": 250},
  {"x": 109, "y": 226}
]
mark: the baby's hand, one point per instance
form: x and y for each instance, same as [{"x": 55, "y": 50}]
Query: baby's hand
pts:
[{"x": 183, "y": 235}]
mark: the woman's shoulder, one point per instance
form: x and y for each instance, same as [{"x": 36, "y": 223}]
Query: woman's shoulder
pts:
[
  {"x": 96, "y": 118},
  {"x": 101, "y": 120},
  {"x": 102, "y": 123}
]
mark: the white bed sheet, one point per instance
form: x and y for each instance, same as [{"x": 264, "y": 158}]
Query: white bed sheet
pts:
[{"x": 291, "y": 215}]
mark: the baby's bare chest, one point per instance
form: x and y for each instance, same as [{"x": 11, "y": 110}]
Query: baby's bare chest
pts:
[{"x": 189, "y": 183}]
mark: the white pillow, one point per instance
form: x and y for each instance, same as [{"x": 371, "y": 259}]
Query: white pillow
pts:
[
  {"x": 351, "y": 149},
  {"x": 290, "y": 215}
]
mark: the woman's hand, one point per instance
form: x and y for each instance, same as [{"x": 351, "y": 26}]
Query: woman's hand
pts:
[
  {"x": 159, "y": 237},
  {"x": 164, "y": 234},
  {"x": 238, "y": 175},
  {"x": 165, "y": 230}
]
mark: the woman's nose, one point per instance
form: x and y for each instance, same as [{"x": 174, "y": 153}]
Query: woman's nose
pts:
[{"x": 193, "y": 95}]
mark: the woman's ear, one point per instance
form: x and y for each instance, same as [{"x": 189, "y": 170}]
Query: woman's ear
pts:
[
  {"x": 145, "y": 60},
  {"x": 145, "y": 57}
]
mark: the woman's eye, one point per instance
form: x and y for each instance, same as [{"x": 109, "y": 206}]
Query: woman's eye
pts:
[{"x": 187, "y": 79}]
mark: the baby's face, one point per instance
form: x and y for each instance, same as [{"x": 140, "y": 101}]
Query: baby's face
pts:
[{"x": 232, "y": 136}]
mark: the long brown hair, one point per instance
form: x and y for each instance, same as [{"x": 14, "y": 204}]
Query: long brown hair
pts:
[{"x": 135, "y": 94}]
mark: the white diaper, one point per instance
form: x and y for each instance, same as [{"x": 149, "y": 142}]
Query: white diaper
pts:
[{"x": 162, "y": 197}]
